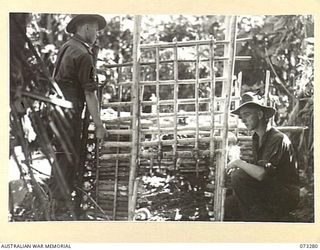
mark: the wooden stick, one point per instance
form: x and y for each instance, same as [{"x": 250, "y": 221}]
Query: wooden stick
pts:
[
  {"x": 134, "y": 197},
  {"x": 212, "y": 100},
  {"x": 187, "y": 43},
  {"x": 116, "y": 174},
  {"x": 129, "y": 64},
  {"x": 190, "y": 130},
  {"x": 165, "y": 102},
  {"x": 158, "y": 105},
  {"x": 183, "y": 141},
  {"x": 38, "y": 96},
  {"x": 175, "y": 101},
  {"x": 222, "y": 160},
  {"x": 196, "y": 93},
  {"x": 169, "y": 82},
  {"x": 266, "y": 93},
  {"x": 267, "y": 88},
  {"x": 238, "y": 94},
  {"x": 135, "y": 113},
  {"x": 107, "y": 157},
  {"x": 152, "y": 116},
  {"x": 181, "y": 82}
]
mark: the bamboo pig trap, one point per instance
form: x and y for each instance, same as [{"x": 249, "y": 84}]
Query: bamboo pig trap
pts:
[{"x": 185, "y": 130}]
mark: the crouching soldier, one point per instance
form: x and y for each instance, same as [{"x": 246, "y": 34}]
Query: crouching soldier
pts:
[{"x": 266, "y": 189}]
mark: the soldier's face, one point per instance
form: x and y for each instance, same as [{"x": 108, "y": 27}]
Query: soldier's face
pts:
[
  {"x": 91, "y": 32},
  {"x": 250, "y": 116}
]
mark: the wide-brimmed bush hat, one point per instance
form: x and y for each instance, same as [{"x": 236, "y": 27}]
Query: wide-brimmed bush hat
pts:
[
  {"x": 85, "y": 18},
  {"x": 254, "y": 99}
]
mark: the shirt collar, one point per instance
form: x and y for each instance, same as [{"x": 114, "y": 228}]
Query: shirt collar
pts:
[
  {"x": 265, "y": 136},
  {"x": 79, "y": 39}
]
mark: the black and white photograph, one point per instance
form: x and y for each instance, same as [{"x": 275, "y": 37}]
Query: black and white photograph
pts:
[{"x": 161, "y": 117}]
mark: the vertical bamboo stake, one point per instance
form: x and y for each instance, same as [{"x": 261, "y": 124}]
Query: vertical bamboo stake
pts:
[
  {"x": 212, "y": 97},
  {"x": 238, "y": 94},
  {"x": 158, "y": 107},
  {"x": 222, "y": 161},
  {"x": 266, "y": 88},
  {"x": 266, "y": 93},
  {"x": 82, "y": 159},
  {"x": 238, "y": 88},
  {"x": 196, "y": 92},
  {"x": 135, "y": 114},
  {"x": 212, "y": 106},
  {"x": 135, "y": 193},
  {"x": 226, "y": 52},
  {"x": 175, "y": 97},
  {"x": 115, "y": 195},
  {"x": 98, "y": 147}
]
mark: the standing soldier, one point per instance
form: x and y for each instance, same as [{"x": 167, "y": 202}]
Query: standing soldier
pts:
[{"x": 75, "y": 74}]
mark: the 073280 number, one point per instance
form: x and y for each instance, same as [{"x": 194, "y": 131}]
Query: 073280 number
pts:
[{"x": 308, "y": 245}]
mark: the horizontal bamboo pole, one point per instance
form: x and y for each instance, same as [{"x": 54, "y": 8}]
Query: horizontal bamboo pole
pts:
[
  {"x": 111, "y": 192},
  {"x": 179, "y": 132},
  {"x": 202, "y": 167},
  {"x": 165, "y": 45},
  {"x": 117, "y": 104},
  {"x": 179, "y": 114},
  {"x": 292, "y": 128},
  {"x": 186, "y": 128},
  {"x": 109, "y": 188},
  {"x": 183, "y": 154},
  {"x": 179, "y": 101},
  {"x": 216, "y": 58},
  {"x": 205, "y": 100},
  {"x": 164, "y": 129},
  {"x": 40, "y": 97},
  {"x": 111, "y": 169},
  {"x": 189, "y": 165},
  {"x": 115, "y": 157},
  {"x": 147, "y": 118},
  {"x": 105, "y": 157},
  {"x": 191, "y": 170},
  {"x": 110, "y": 204},
  {"x": 183, "y": 141},
  {"x": 151, "y": 131},
  {"x": 161, "y": 102},
  {"x": 109, "y": 212},
  {"x": 188, "y": 43},
  {"x": 113, "y": 174},
  {"x": 112, "y": 182},
  {"x": 180, "y": 82},
  {"x": 108, "y": 198},
  {"x": 170, "y": 82},
  {"x": 117, "y": 210},
  {"x": 110, "y": 164}
]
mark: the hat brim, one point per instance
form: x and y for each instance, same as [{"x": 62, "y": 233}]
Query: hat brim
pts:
[
  {"x": 72, "y": 25},
  {"x": 268, "y": 111}
]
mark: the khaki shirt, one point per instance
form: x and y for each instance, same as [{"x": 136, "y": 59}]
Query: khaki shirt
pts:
[
  {"x": 75, "y": 71},
  {"x": 276, "y": 154}
]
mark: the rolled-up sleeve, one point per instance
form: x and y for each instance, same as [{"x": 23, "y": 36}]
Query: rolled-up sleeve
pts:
[
  {"x": 86, "y": 73},
  {"x": 274, "y": 155}
]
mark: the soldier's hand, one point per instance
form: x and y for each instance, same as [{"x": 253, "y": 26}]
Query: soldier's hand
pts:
[
  {"x": 233, "y": 165},
  {"x": 101, "y": 132}
]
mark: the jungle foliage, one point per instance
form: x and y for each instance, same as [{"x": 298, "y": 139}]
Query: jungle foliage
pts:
[{"x": 281, "y": 44}]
